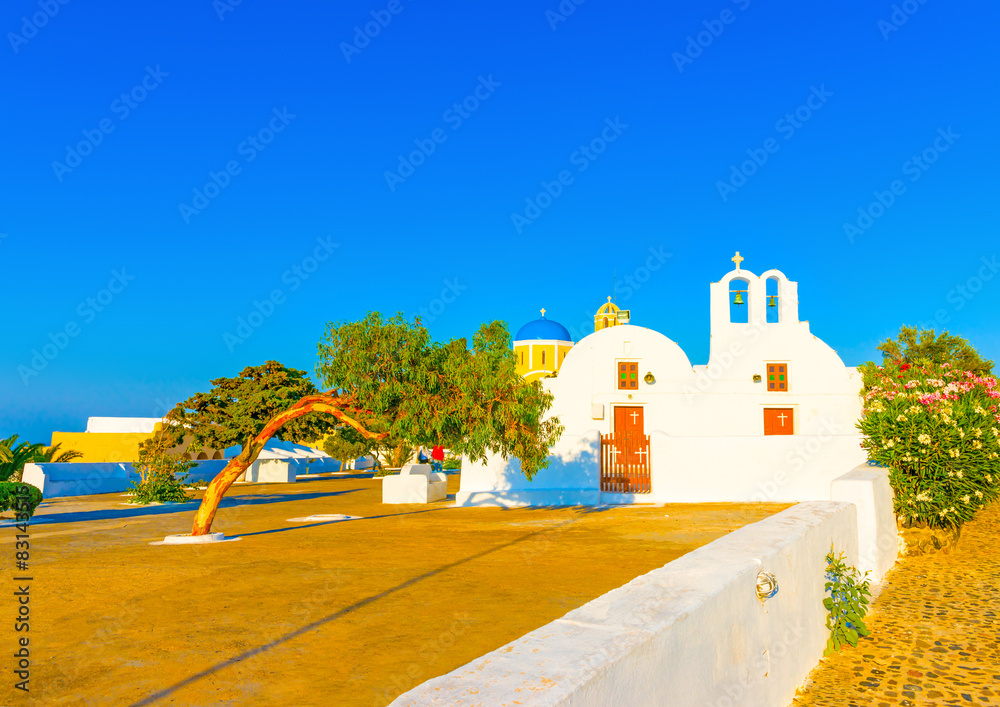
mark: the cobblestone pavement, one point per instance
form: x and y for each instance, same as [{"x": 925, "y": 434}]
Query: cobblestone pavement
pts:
[{"x": 935, "y": 633}]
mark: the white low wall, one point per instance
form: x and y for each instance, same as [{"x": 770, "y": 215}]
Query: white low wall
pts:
[
  {"x": 690, "y": 633},
  {"x": 867, "y": 487},
  {"x": 83, "y": 479},
  {"x": 69, "y": 479}
]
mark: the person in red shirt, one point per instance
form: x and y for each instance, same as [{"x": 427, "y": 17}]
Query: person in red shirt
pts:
[{"x": 437, "y": 457}]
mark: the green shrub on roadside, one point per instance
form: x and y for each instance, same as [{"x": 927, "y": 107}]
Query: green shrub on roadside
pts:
[
  {"x": 847, "y": 603},
  {"x": 937, "y": 429},
  {"x": 162, "y": 477},
  {"x": 21, "y": 498}
]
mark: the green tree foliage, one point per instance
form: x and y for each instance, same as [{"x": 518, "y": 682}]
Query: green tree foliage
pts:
[
  {"x": 346, "y": 444},
  {"x": 48, "y": 455},
  {"x": 922, "y": 348},
  {"x": 469, "y": 400},
  {"x": 236, "y": 409},
  {"x": 14, "y": 455}
]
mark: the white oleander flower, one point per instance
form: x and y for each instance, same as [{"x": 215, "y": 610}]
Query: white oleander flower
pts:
[
  {"x": 913, "y": 409},
  {"x": 979, "y": 494},
  {"x": 959, "y": 474},
  {"x": 965, "y": 498},
  {"x": 980, "y": 410},
  {"x": 890, "y": 444},
  {"x": 976, "y": 444},
  {"x": 961, "y": 433},
  {"x": 978, "y": 432},
  {"x": 923, "y": 439},
  {"x": 923, "y": 497}
]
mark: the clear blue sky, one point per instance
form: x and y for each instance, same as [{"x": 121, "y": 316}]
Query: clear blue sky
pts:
[{"x": 311, "y": 117}]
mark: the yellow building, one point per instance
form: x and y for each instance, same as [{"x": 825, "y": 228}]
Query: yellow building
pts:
[
  {"x": 540, "y": 347},
  {"x": 610, "y": 315},
  {"x": 109, "y": 439}
]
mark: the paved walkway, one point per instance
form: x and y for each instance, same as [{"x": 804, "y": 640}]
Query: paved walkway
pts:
[{"x": 935, "y": 632}]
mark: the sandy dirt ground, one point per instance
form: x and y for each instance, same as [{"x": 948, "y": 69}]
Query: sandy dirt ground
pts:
[{"x": 329, "y": 613}]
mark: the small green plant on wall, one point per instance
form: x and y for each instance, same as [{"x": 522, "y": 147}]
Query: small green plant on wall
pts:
[{"x": 847, "y": 603}]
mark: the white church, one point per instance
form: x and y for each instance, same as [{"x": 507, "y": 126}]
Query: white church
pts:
[{"x": 771, "y": 417}]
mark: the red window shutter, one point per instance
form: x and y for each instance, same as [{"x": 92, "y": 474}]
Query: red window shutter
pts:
[
  {"x": 777, "y": 377},
  {"x": 628, "y": 376}
]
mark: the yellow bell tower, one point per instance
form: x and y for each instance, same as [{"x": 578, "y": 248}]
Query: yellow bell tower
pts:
[{"x": 610, "y": 315}]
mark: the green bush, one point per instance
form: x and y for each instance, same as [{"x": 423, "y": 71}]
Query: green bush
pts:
[
  {"x": 452, "y": 464},
  {"x": 21, "y": 498},
  {"x": 936, "y": 428},
  {"x": 162, "y": 477}
]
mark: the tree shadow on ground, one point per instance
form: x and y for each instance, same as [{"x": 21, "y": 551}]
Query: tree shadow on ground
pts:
[
  {"x": 166, "y": 692},
  {"x": 578, "y": 510},
  {"x": 344, "y": 520}
]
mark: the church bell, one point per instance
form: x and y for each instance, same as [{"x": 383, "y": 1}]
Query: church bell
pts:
[
  {"x": 738, "y": 300},
  {"x": 771, "y": 302}
]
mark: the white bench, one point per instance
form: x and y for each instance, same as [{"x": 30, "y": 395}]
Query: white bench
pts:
[{"x": 415, "y": 483}]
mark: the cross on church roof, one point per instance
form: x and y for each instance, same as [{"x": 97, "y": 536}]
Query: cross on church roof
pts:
[
  {"x": 737, "y": 259},
  {"x": 543, "y": 311}
]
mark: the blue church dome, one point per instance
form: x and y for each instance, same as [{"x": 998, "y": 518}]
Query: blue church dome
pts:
[{"x": 543, "y": 329}]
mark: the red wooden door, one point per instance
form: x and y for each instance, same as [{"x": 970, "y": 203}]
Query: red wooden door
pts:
[
  {"x": 779, "y": 421},
  {"x": 629, "y": 430}
]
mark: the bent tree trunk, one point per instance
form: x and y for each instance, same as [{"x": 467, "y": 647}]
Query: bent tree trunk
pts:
[{"x": 328, "y": 404}]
